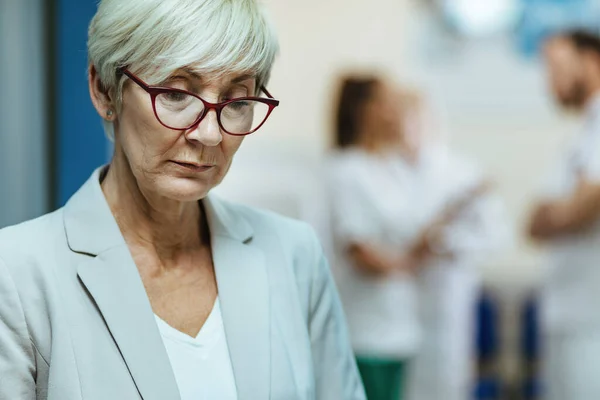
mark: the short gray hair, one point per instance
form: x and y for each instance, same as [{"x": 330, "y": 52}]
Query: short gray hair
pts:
[{"x": 154, "y": 38}]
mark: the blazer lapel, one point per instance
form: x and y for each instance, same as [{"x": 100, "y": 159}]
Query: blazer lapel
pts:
[
  {"x": 244, "y": 294},
  {"x": 112, "y": 279}
]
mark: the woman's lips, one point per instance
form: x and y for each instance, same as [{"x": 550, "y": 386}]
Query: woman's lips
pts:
[{"x": 193, "y": 166}]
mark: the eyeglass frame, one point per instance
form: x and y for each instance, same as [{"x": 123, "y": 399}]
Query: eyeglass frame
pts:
[{"x": 154, "y": 91}]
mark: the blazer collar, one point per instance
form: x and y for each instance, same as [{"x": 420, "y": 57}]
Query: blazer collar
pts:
[{"x": 112, "y": 280}]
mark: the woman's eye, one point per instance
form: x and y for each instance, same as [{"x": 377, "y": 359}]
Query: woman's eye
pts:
[
  {"x": 239, "y": 105},
  {"x": 176, "y": 96}
]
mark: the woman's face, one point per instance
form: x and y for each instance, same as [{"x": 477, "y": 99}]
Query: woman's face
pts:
[
  {"x": 381, "y": 119},
  {"x": 179, "y": 165}
]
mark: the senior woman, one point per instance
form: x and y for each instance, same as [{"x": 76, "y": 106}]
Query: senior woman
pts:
[{"x": 143, "y": 285}]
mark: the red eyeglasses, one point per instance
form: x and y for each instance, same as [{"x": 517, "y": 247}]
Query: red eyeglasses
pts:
[{"x": 181, "y": 110}]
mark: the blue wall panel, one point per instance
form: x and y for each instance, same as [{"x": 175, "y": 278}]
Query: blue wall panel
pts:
[{"x": 81, "y": 145}]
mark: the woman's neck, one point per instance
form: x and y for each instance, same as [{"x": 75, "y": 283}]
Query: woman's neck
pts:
[
  {"x": 376, "y": 146},
  {"x": 164, "y": 226},
  {"x": 370, "y": 145}
]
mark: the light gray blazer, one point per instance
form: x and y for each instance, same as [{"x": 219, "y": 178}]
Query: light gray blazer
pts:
[{"x": 76, "y": 323}]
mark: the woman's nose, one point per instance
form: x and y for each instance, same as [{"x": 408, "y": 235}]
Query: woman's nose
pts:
[{"x": 207, "y": 132}]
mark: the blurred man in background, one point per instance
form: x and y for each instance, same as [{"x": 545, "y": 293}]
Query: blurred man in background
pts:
[{"x": 568, "y": 220}]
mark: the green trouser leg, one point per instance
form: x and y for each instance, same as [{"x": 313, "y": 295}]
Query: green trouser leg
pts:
[{"x": 383, "y": 379}]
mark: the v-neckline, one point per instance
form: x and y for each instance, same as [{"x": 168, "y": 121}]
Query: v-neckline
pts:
[{"x": 203, "y": 338}]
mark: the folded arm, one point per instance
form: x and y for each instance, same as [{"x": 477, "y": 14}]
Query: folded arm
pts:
[{"x": 569, "y": 215}]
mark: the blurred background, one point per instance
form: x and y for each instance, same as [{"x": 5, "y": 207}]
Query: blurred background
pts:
[{"x": 476, "y": 61}]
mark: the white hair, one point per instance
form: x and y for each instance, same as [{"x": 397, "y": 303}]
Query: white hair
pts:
[{"x": 154, "y": 38}]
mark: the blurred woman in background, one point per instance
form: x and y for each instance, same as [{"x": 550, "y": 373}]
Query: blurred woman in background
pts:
[
  {"x": 369, "y": 233},
  {"x": 407, "y": 218}
]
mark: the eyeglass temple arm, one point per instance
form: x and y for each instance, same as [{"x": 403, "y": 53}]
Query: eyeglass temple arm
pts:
[{"x": 133, "y": 77}]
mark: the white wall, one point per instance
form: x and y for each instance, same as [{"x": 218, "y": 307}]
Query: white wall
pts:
[{"x": 496, "y": 106}]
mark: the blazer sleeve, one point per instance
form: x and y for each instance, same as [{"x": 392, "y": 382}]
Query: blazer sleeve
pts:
[
  {"x": 17, "y": 361},
  {"x": 336, "y": 374}
]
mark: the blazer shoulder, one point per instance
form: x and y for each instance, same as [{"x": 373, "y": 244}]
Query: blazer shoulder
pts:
[
  {"x": 31, "y": 240},
  {"x": 268, "y": 223},
  {"x": 295, "y": 241}
]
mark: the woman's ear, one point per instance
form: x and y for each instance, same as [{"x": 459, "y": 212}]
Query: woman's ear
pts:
[{"x": 100, "y": 96}]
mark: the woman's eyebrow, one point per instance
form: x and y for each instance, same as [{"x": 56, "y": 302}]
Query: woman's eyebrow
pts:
[
  {"x": 243, "y": 78},
  {"x": 192, "y": 73}
]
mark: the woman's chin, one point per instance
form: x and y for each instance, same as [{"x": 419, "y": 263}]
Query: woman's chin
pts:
[{"x": 184, "y": 190}]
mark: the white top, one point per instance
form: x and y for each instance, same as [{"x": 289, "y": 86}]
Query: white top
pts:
[
  {"x": 572, "y": 286},
  {"x": 201, "y": 365},
  {"x": 386, "y": 201},
  {"x": 381, "y": 312}
]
